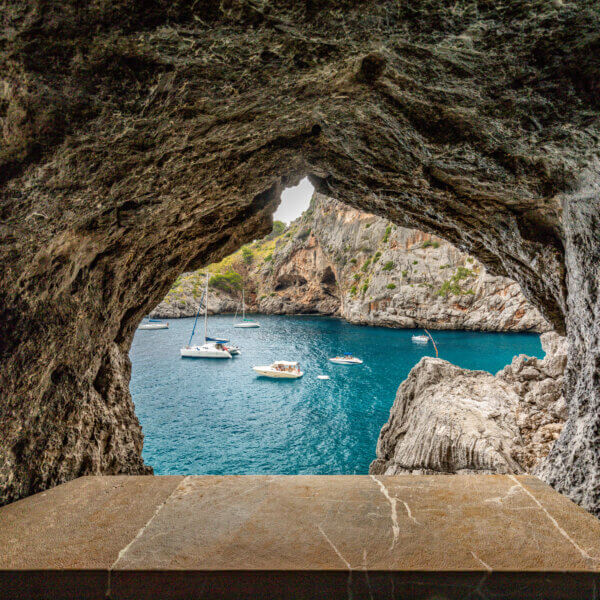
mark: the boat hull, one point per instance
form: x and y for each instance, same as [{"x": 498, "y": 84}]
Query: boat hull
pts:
[
  {"x": 150, "y": 326},
  {"x": 274, "y": 374},
  {"x": 200, "y": 353},
  {"x": 341, "y": 361},
  {"x": 246, "y": 325}
]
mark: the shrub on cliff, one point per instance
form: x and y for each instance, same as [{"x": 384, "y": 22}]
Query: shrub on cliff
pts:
[
  {"x": 227, "y": 282},
  {"x": 388, "y": 230},
  {"x": 391, "y": 286},
  {"x": 278, "y": 229},
  {"x": 247, "y": 255},
  {"x": 389, "y": 265}
]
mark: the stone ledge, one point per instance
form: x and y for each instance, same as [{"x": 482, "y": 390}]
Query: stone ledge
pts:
[{"x": 299, "y": 537}]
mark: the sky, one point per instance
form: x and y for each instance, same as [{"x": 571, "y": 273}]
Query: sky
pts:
[{"x": 294, "y": 201}]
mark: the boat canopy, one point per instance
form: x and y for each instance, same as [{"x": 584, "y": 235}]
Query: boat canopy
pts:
[
  {"x": 217, "y": 340},
  {"x": 285, "y": 363}
]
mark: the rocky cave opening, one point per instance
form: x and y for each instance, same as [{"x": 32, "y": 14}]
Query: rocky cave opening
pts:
[{"x": 139, "y": 144}]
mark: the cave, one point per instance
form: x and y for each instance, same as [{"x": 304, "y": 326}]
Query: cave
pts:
[{"x": 141, "y": 140}]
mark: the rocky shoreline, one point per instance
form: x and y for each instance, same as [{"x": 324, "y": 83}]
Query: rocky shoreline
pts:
[
  {"x": 336, "y": 260},
  {"x": 451, "y": 420}
]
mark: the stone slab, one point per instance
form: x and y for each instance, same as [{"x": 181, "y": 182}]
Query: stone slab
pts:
[{"x": 300, "y": 536}]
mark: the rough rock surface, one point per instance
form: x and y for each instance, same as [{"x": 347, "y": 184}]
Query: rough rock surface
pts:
[
  {"x": 337, "y": 260},
  {"x": 144, "y": 139},
  {"x": 451, "y": 420}
]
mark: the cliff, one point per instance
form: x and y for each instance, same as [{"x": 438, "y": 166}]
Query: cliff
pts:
[
  {"x": 336, "y": 260},
  {"x": 451, "y": 420}
]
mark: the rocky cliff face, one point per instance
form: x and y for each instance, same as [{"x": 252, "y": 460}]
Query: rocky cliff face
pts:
[
  {"x": 336, "y": 260},
  {"x": 140, "y": 140},
  {"x": 451, "y": 420}
]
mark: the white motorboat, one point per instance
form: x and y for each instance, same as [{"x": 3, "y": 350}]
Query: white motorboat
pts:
[
  {"x": 420, "y": 339},
  {"x": 149, "y": 324},
  {"x": 245, "y": 323},
  {"x": 212, "y": 347},
  {"x": 281, "y": 369},
  {"x": 208, "y": 350},
  {"x": 346, "y": 359}
]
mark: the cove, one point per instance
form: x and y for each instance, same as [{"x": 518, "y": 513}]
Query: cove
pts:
[{"x": 215, "y": 417}]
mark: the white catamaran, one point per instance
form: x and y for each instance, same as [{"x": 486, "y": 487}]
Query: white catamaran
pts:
[
  {"x": 245, "y": 323},
  {"x": 212, "y": 347}
]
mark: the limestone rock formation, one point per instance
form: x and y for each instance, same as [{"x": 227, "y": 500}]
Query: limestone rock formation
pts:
[
  {"x": 336, "y": 260},
  {"x": 140, "y": 140},
  {"x": 451, "y": 420}
]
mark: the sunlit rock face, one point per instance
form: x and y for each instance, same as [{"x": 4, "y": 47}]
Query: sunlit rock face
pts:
[
  {"x": 451, "y": 420},
  {"x": 142, "y": 139}
]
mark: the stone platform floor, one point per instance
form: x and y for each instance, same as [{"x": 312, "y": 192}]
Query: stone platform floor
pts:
[{"x": 260, "y": 537}]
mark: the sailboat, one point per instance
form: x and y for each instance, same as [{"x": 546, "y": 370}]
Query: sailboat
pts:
[
  {"x": 246, "y": 323},
  {"x": 212, "y": 347}
]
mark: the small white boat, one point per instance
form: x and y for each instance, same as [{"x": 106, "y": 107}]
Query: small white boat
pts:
[
  {"x": 420, "y": 339},
  {"x": 281, "y": 369},
  {"x": 149, "y": 324},
  {"x": 245, "y": 323},
  {"x": 346, "y": 359},
  {"x": 208, "y": 350},
  {"x": 323, "y": 377}
]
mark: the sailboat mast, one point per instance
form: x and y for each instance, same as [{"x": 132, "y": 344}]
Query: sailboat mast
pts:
[{"x": 206, "y": 308}]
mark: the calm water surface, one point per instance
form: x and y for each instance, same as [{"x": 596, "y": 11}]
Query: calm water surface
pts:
[{"x": 216, "y": 417}]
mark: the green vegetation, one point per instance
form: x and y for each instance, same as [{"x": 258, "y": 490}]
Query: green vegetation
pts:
[
  {"x": 365, "y": 265},
  {"x": 376, "y": 256},
  {"x": 357, "y": 276},
  {"x": 269, "y": 257},
  {"x": 365, "y": 287},
  {"x": 304, "y": 233},
  {"x": 247, "y": 255},
  {"x": 430, "y": 244},
  {"x": 272, "y": 294},
  {"x": 367, "y": 225},
  {"x": 391, "y": 286},
  {"x": 353, "y": 290},
  {"x": 228, "y": 282},
  {"x": 404, "y": 273},
  {"x": 452, "y": 285},
  {"x": 278, "y": 228},
  {"x": 415, "y": 262},
  {"x": 388, "y": 230},
  {"x": 389, "y": 265},
  {"x": 353, "y": 261},
  {"x": 469, "y": 260}
]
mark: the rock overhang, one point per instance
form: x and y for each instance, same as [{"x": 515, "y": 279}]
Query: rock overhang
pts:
[{"x": 141, "y": 141}]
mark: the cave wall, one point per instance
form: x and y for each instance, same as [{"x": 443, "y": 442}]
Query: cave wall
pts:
[{"x": 142, "y": 139}]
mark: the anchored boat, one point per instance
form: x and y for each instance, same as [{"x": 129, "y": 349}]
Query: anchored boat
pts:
[
  {"x": 420, "y": 339},
  {"x": 245, "y": 323},
  {"x": 153, "y": 324},
  {"x": 346, "y": 359},
  {"x": 280, "y": 369},
  {"x": 212, "y": 347}
]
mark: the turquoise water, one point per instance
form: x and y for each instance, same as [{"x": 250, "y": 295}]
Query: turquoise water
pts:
[{"x": 217, "y": 417}]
